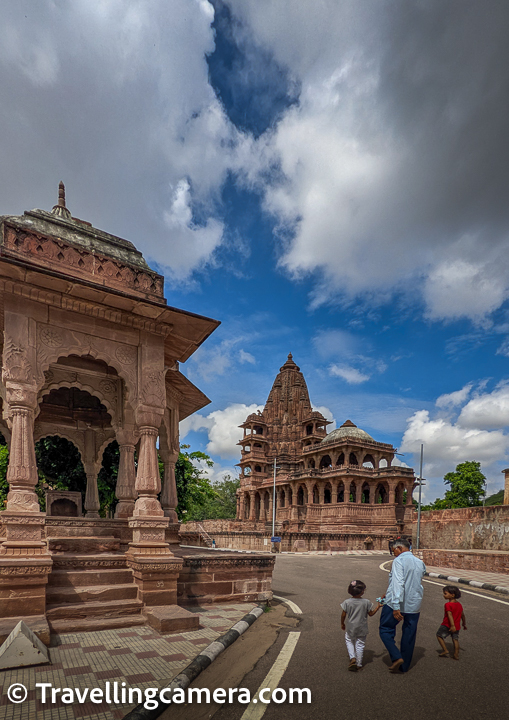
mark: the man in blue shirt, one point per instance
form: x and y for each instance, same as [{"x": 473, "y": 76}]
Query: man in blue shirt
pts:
[{"x": 403, "y": 602}]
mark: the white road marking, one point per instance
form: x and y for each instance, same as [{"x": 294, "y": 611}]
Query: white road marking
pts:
[
  {"x": 295, "y": 608},
  {"x": 255, "y": 710},
  {"x": 469, "y": 592}
]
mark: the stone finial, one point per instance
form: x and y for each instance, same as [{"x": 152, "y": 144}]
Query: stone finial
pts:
[
  {"x": 289, "y": 364},
  {"x": 60, "y": 209}
]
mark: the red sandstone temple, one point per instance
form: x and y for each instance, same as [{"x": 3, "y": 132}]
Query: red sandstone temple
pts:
[
  {"x": 338, "y": 487},
  {"x": 90, "y": 353}
]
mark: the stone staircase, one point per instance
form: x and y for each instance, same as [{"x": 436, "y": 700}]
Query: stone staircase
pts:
[{"x": 90, "y": 587}]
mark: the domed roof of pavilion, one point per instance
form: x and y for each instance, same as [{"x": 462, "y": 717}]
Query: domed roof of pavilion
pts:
[{"x": 347, "y": 430}]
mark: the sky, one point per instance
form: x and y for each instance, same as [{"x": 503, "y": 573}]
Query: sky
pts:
[{"x": 329, "y": 179}]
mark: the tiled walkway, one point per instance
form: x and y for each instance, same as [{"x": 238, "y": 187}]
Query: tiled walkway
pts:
[{"x": 139, "y": 657}]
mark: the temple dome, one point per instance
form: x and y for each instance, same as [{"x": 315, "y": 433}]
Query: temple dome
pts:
[{"x": 347, "y": 430}]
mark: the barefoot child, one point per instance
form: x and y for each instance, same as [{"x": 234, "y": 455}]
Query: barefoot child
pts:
[
  {"x": 453, "y": 616},
  {"x": 354, "y": 621}
]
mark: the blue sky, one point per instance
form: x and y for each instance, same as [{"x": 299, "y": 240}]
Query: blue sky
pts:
[{"x": 328, "y": 179}]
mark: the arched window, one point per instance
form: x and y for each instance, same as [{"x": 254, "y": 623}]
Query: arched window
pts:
[
  {"x": 341, "y": 459},
  {"x": 327, "y": 495},
  {"x": 309, "y": 430},
  {"x": 300, "y": 496},
  {"x": 258, "y": 430},
  {"x": 258, "y": 468},
  {"x": 311, "y": 463},
  {"x": 325, "y": 462},
  {"x": 353, "y": 459},
  {"x": 368, "y": 461}
]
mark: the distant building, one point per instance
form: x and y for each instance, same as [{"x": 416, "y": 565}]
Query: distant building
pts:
[{"x": 343, "y": 482}]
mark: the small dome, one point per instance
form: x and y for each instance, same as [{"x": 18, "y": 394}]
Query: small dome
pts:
[{"x": 347, "y": 430}]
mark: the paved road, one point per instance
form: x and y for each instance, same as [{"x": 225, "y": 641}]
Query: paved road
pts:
[{"x": 471, "y": 689}]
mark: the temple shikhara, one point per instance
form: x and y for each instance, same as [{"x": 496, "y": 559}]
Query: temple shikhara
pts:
[
  {"x": 343, "y": 482},
  {"x": 91, "y": 353}
]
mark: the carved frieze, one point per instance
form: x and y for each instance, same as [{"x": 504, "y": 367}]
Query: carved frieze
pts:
[{"x": 81, "y": 262}]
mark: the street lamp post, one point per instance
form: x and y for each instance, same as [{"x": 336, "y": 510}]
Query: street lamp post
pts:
[{"x": 419, "y": 503}]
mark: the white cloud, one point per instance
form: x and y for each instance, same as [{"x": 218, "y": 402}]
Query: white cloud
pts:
[
  {"x": 446, "y": 444},
  {"x": 192, "y": 245},
  {"x": 458, "y": 397},
  {"x": 246, "y": 357},
  {"x": 376, "y": 193},
  {"x": 350, "y": 374},
  {"x": 215, "y": 360},
  {"x": 336, "y": 343},
  {"x": 487, "y": 411},
  {"x": 457, "y": 288},
  {"x": 222, "y": 427}
]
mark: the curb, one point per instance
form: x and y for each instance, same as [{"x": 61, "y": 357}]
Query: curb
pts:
[
  {"x": 195, "y": 667},
  {"x": 473, "y": 583}
]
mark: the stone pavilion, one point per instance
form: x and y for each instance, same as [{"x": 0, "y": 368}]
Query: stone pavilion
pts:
[{"x": 91, "y": 353}]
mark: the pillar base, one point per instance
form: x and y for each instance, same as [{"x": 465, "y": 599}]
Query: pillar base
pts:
[
  {"x": 154, "y": 566},
  {"x": 124, "y": 509},
  {"x": 24, "y": 565}
]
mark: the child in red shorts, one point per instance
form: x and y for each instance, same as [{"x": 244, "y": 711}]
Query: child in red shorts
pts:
[{"x": 453, "y": 616}]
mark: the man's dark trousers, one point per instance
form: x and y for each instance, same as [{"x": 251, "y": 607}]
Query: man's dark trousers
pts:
[{"x": 387, "y": 632}]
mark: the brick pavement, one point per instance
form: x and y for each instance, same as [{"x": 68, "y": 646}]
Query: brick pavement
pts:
[{"x": 139, "y": 657}]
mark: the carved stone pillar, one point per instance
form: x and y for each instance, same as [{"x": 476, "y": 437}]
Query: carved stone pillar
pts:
[
  {"x": 91, "y": 466},
  {"x": 334, "y": 491},
  {"x": 169, "y": 494},
  {"x": 392, "y": 495},
  {"x": 309, "y": 489},
  {"x": 321, "y": 494},
  {"x": 154, "y": 566},
  {"x": 24, "y": 559},
  {"x": 358, "y": 492},
  {"x": 148, "y": 481},
  {"x": 251, "y": 506},
  {"x": 126, "y": 479},
  {"x": 269, "y": 518},
  {"x": 409, "y": 493}
]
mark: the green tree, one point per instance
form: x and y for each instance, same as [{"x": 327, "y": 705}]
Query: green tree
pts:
[
  {"x": 224, "y": 505},
  {"x": 466, "y": 483},
  {"x": 194, "y": 491}
]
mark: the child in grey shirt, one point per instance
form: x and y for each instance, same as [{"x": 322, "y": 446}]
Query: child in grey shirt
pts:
[{"x": 354, "y": 621}]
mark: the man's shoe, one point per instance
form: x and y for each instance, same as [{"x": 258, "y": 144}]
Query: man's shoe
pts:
[
  {"x": 394, "y": 668},
  {"x": 353, "y": 665}
]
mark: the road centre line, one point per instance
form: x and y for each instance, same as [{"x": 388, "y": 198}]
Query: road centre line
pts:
[
  {"x": 256, "y": 709},
  {"x": 295, "y": 608},
  {"x": 469, "y": 592}
]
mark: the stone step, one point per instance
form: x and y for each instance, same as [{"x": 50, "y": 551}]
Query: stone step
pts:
[
  {"x": 93, "y": 624},
  {"x": 84, "y": 545},
  {"x": 56, "y": 595},
  {"x": 78, "y": 561},
  {"x": 82, "y": 611},
  {"x": 89, "y": 577}
]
